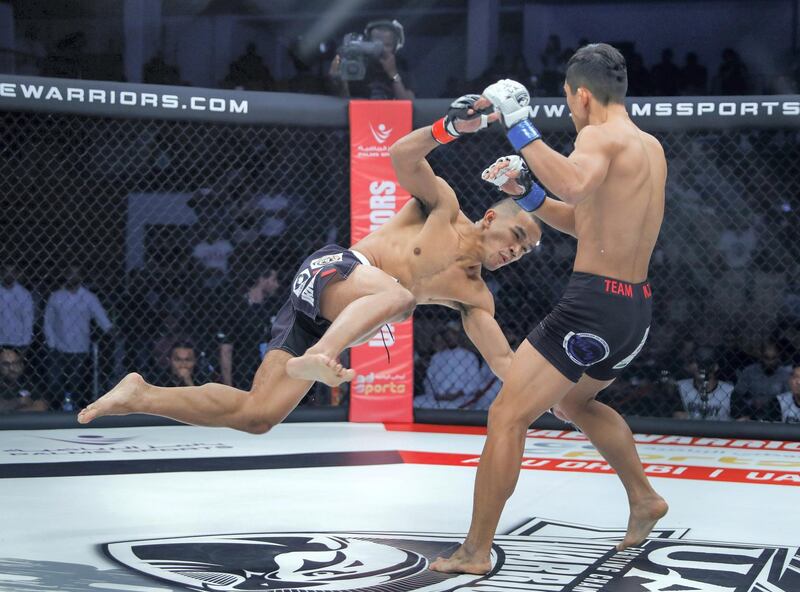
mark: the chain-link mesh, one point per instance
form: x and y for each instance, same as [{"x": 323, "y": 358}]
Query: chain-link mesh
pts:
[
  {"x": 177, "y": 227},
  {"x": 725, "y": 274},
  {"x": 186, "y": 234}
]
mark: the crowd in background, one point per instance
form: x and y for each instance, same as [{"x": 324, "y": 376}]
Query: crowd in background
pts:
[
  {"x": 199, "y": 306},
  {"x": 316, "y": 72}
]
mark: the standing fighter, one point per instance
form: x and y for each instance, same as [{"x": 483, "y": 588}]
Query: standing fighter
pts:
[
  {"x": 429, "y": 253},
  {"x": 612, "y": 200}
]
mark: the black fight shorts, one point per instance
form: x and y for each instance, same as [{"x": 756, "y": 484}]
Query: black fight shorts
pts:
[
  {"x": 598, "y": 327},
  {"x": 297, "y": 325}
]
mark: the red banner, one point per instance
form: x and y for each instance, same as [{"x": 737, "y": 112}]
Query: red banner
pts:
[{"x": 383, "y": 389}]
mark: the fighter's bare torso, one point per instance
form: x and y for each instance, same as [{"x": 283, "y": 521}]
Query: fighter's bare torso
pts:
[
  {"x": 617, "y": 227},
  {"x": 436, "y": 258}
]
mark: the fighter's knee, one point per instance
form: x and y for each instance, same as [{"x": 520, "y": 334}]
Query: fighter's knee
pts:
[
  {"x": 403, "y": 303},
  {"x": 257, "y": 426},
  {"x": 506, "y": 417},
  {"x": 561, "y": 413},
  {"x": 254, "y": 418}
]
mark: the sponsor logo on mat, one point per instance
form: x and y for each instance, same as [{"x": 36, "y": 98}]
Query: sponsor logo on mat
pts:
[{"x": 539, "y": 556}]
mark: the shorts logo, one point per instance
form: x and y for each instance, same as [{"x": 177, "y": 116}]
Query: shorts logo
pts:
[
  {"x": 300, "y": 280},
  {"x": 308, "y": 291},
  {"x": 621, "y": 364},
  {"x": 585, "y": 349},
  {"x": 326, "y": 260}
]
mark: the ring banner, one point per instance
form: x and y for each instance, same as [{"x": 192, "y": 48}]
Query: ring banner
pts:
[{"x": 383, "y": 389}]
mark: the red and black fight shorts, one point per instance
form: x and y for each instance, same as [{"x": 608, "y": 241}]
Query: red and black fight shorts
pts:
[
  {"x": 598, "y": 327},
  {"x": 297, "y": 325}
]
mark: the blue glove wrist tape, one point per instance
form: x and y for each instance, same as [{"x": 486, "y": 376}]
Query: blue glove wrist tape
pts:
[
  {"x": 522, "y": 134},
  {"x": 533, "y": 199}
]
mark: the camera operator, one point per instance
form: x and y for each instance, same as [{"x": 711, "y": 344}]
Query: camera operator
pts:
[
  {"x": 704, "y": 396},
  {"x": 365, "y": 66}
]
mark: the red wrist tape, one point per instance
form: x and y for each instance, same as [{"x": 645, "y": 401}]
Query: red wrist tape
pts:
[{"x": 440, "y": 134}]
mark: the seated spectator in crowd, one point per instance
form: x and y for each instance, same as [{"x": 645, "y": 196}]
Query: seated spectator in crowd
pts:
[
  {"x": 454, "y": 379},
  {"x": 16, "y": 309},
  {"x": 759, "y": 384},
  {"x": 68, "y": 320},
  {"x": 704, "y": 396},
  {"x": 665, "y": 76},
  {"x": 694, "y": 76},
  {"x": 245, "y": 325},
  {"x": 249, "y": 72},
  {"x": 385, "y": 76},
  {"x": 733, "y": 359},
  {"x": 183, "y": 369},
  {"x": 732, "y": 77},
  {"x": 17, "y": 392},
  {"x": 790, "y": 400},
  {"x": 551, "y": 60}
]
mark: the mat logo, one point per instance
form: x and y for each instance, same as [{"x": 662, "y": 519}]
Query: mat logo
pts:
[{"x": 539, "y": 556}]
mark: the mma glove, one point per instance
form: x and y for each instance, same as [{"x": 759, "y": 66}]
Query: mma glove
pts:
[
  {"x": 444, "y": 130},
  {"x": 512, "y": 101},
  {"x": 532, "y": 196}
]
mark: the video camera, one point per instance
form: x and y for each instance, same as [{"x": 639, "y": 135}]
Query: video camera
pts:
[{"x": 357, "y": 48}]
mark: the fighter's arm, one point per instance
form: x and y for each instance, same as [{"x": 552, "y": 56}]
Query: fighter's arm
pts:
[
  {"x": 512, "y": 177},
  {"x": 476, "y": 305},
  {"x": 484, "y": 332},
  {"x": 408, "y": 154},
  {"x": 575, "y": 177},
  {"x": 416, "y": 175}
]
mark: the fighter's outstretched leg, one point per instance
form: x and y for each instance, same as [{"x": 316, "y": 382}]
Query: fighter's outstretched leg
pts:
[
  {"x": 612, "y": 437},
  {"x": 357, "y": 306},
  {"x": 273, "y": 395}
]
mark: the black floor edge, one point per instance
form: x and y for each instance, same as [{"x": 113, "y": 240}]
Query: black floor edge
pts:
[{"x": 185, "y": 465}]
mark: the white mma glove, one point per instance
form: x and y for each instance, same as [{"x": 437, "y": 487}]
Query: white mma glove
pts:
[
  {"x": 512, "y": 101},
  {"x": 532, "y": 197}
]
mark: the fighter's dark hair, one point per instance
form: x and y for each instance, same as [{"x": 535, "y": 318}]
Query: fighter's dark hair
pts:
[
  {"x": 601, "y": 69},
  {"x": 508, "y": 205}
]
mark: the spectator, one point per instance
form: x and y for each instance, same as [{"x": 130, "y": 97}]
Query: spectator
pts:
[
  {"x": 453, "y": 379},
  {"x": 704, "y": 396},
  {"x": 16, "y": 390},
  {"x": 385, "y": 76},
  {"x": 246, "y": 326},
  {"x": 305, "y": 80},
  {"x": 639, "y": 83},
  {"x": 666, "y": 76},
  {"x": 158, "y": 71},
  {"x": 694, "y": 77},
  {"x": 249, "y": 72},
  {"x": 759, "y": 384},
  {"x": 732, "y": 77},
  {"x": 67, "y": 325},
  {"x": 212, "y": 253},
  {"x": 16, "y": 310},
  {"x": 182, "y": 369},
  {"x": 733, "y": 359},
  {"x": 790, "y": 400},
  {"x": 551, "y": 61}
]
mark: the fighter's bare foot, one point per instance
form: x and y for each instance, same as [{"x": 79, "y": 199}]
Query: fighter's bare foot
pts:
[
  {"x": 644, "y": 515},
  {"x": 319, "y": 367},
  {"x": 118, "y": 401},
  {"x": 463, "y": 562}
]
